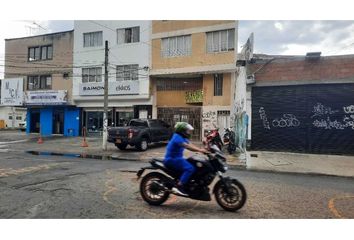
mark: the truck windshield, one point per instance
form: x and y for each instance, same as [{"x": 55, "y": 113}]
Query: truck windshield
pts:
[{"x": 138, "y": 123}]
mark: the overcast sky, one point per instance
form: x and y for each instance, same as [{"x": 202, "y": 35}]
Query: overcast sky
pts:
[{"x": 271, "y": 37}]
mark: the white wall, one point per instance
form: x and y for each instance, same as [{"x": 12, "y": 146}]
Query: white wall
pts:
[
  {"x": 132, "y": 53},
  {"x": 5, "y": 112}
]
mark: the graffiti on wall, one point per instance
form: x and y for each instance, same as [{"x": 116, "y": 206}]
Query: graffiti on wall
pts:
[
  {"x": 323, "y": 117},
  {"x": 287, "y": 120},
  {"x": 339, "y": 124},
  {"x": 319, "y": 110},
  {"x": 209, "y": 119}
]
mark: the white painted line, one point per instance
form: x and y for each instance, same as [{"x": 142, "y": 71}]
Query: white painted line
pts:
[
  {"x": 11, "y": 142},
  {"x": 4, "y": 146}
]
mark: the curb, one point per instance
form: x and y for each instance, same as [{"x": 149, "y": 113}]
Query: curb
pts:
[{"x": 231, "y": 167}]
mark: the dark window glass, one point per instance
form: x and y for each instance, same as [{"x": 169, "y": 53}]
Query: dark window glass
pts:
[{"x": 218, "y": 84}]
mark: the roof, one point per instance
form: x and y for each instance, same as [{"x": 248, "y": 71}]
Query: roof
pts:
[{"x": 47, "y": 34}]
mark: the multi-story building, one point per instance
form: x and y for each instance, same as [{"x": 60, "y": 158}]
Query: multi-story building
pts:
[
  {"x": 129, "y": 63},
  {"x": 193, "y": 72},
  {"x": 43, "y": 64}
]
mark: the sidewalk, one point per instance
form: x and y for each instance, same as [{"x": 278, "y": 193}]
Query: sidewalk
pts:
[{"x": 334, "y": 165}]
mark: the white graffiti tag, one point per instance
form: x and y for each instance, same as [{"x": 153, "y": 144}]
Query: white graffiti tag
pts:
[
  {"x": 319, "y": 110},
  {"x": 288, "y": 120},
  {"x": 349, "y": 109},
  {"x": 263, "y": 116}
]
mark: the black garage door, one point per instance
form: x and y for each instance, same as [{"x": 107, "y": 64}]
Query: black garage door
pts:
[{"x": 304, "y": 118}]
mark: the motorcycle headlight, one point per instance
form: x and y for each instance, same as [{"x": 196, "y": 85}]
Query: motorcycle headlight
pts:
[{"x": 225, "y": 168}]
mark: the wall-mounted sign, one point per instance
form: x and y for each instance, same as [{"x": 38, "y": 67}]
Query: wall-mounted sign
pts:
[
  {"x": 12, "y": 92},
  {"x": 52, "y": 97},
  {"x": 114, "y": 88}
]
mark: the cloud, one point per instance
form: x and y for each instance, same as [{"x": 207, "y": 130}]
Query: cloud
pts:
[{"x": 299, "y": 37}]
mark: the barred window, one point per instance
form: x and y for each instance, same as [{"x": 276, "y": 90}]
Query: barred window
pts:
[
  {"x": 92, "y": 74},
  {"x": 220, "y": 41},
  {"x": 176, "y": 46},
  {"x": 218, "y": 84},
  {"x": 128, "y": 72},
  {"x": 174, "y": 84}
]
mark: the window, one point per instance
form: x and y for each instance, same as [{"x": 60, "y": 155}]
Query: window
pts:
[
  {"x": 39, "y": 82},
  {"x": 127, "y": 72},
  {"x": 18, "y": 118},
  {"x": 40, "y": 53},
  {"x": 93, "y": 39},
  {"x": 220, "y": 41},
  {"x": 218, "y": 82},
  {"x": 91, "y": 74},
  {"x": 154, "y": 123},
  {"x": 175, "y": 84},
  {"x": 10, "y": 117},
  {"x": 176, "y": 46},
  {"x": 128, "y": 35}
]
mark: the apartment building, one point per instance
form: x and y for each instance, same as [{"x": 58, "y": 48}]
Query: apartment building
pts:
[
  {"x": 128, "y": 71},
  {"x": 192, "y": 72},
  {"x": 40, "y": 68}
]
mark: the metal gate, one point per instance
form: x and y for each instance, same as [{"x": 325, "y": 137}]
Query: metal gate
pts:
[
  {"x": 304, "y": 118},
  {"x": 191, "y": 115}
]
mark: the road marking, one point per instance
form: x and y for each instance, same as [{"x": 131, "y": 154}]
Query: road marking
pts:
[
  {"x": 6, "y": 172},
  {"x": 332, "y": 207},
  {"x": 11, "y": 142},
  {"x": 110, "y": 188}
]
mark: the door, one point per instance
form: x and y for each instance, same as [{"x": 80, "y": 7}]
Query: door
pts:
[
  {"x": 123, "y": 118},
  {"x": 223, "y": 121},
  {"x": 304, "y": 118},
  {"x": 58, "y": 121},
  {"x": 191, "y": 115},
  {"x": 34, "y": 121}
]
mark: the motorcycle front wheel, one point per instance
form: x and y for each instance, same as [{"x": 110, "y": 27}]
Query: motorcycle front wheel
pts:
[
  {"x": 232, "y": 197},
  {"x": 152, "y": 188}
]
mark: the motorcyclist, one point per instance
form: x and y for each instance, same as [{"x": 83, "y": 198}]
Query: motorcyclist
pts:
[{"x": 174, "y": 159}]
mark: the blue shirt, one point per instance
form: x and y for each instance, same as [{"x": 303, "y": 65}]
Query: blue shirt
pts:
[{"x": 175, "y": 147}]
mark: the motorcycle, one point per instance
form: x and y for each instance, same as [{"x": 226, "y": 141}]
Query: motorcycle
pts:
[
  {"x": 229, "y": 140},
  {"x": 230, "y": 194},
  {"x": 213, "y": 138}
]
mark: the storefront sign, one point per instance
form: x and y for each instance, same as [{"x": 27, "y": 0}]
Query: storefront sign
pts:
[
  {"x": 58, "y": 97},
  {"x": 114, "y": 88},
  {"x": 12, "y": 92}
]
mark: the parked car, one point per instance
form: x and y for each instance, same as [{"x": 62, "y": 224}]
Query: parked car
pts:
[{"x": 139, "y": 133}]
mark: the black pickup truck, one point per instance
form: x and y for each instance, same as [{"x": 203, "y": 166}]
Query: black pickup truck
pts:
[{"x": 139, "y": 133}]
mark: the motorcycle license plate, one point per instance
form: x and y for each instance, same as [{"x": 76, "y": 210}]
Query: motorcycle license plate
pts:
[{"x": 118, "y": 141}]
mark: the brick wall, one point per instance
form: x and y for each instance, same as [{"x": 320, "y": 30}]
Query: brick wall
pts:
[{"x": 298, "y": 68}]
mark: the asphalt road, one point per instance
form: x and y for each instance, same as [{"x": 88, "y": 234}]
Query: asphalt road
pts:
[{"x": 64, "y": 187}]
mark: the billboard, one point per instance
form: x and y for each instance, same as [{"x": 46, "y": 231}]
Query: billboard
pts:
[
  {"x": 51, "y": 97},
  {"x": 12, "y": 92}
]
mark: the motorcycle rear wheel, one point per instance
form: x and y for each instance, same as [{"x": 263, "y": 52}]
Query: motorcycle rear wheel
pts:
[
  {"x": 231, "y": 199},
  {"x": 152, "y": 190}
]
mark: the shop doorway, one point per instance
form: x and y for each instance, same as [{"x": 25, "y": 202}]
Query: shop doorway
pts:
[
  {"x": 34, "y": 122},
  {"x": 123, "y": 118},
  {"x": 58, "y": 122}
]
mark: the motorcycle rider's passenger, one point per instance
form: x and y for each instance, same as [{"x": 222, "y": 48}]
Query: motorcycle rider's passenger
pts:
[{"x": 174, "y": 155}]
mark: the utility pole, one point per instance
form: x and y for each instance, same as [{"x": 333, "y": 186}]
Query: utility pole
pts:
[{"x": 105, "y": 106}]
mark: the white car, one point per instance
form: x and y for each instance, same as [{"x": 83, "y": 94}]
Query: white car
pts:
[{"x": 22, "y": 125}]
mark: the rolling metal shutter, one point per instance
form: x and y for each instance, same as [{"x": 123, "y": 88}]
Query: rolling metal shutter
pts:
[{"x": 304, "y": 118}]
